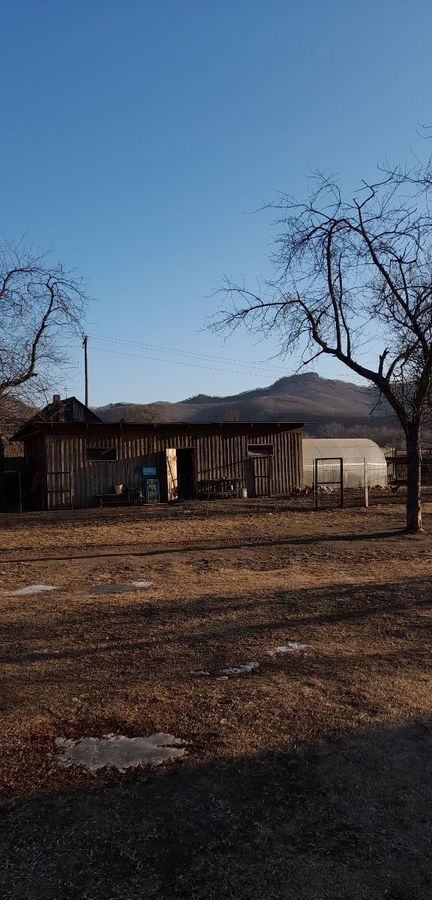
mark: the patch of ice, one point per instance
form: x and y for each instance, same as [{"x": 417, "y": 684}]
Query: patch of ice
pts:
[
  {"x": 199, "y": 672},
  {"x": 32, "y": 589},
  {"x": 290, "y": 647},
  {"x": 118, "y": 752},
  {"x": 121, "y": 588},
  {"x": 246, "y": 669}
]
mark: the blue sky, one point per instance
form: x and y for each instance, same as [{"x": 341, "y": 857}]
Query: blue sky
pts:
[{"x": 137, "y": 136}]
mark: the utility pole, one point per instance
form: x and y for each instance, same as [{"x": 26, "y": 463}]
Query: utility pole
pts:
[{"x": 85, "y": 342}]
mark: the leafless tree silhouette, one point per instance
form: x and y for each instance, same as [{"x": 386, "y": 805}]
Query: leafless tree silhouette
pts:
[
  {"x": 39, "y": 304},
  {"x": 353, "y": 280}
]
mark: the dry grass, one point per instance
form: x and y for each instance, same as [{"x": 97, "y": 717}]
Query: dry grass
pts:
[{"x": 227, "y": 587}]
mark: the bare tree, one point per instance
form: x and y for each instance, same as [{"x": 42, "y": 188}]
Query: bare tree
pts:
[
  {"x": 333, "y": 430},
  {"x": 353, "y": 280},
  {"x": 39, "y": 303}
]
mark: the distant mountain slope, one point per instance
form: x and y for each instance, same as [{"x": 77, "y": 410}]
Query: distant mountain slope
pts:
[{"x": 324, "y": 404}]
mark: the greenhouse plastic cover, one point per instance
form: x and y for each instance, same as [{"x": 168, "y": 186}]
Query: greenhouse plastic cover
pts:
[{"x": 354, "y": 451}]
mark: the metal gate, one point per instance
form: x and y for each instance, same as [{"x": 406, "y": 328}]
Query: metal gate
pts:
[{"x": 325, "y": 470}]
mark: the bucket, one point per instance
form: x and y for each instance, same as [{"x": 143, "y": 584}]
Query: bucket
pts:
[{"x": 118, "y": 488}]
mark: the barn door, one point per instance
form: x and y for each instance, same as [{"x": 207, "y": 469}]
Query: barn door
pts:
[
  {"x": 172, "y": 478},
  {"x": 262, "y": 475}
]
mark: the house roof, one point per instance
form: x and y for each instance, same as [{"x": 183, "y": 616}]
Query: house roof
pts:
[
  {"x": 70, "y": 409},
  {"x": 40, "y": 426}
]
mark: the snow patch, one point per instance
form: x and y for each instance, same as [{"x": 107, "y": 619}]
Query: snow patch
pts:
[
  {"x": 32, "y": 589},
  {"x": 246, "y": 669},
  {"x": 121, "y": 588},
  {"x": 118, "y": 752},
  {"x": 290, "y": 647}
]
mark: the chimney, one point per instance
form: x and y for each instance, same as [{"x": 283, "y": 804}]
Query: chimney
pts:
[{"x": 56, "y": 398}]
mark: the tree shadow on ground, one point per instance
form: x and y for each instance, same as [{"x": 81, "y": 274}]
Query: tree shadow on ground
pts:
[
  {"x": 221, "y": 619},
  {"x": 209, "y": 546},
  {"x": 348, "y": 819}
]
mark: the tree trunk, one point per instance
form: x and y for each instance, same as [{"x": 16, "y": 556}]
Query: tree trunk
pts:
[{"x": 414, "y": 516}]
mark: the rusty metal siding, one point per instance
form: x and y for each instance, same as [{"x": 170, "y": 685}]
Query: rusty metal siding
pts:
[{"x": 217, "y": 455}]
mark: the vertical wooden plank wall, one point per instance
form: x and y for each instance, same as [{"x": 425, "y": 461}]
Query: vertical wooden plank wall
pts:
[{"x": 217, "y": 455}]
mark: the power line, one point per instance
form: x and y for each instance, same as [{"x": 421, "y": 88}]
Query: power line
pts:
[
  {"x": 188, "y": 357},
  {"x": 189, "y": 353},
  {"x": 171, "y": 361},
  {"x": 176, "y": 362},
  {"x": 260, "y": 365}
]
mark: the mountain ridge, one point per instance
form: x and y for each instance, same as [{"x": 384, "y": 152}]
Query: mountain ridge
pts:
[{"x": 324, "y": 404}]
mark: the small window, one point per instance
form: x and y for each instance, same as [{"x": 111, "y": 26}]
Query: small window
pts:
[
  {"x": 260, "y": 449},
  {"x": 100, "y": 454}
]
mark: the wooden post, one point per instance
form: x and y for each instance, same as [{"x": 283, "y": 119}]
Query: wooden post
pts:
[
  {"x": 366, "y": 486},
  {"x": 341, "y": 482},
  {"x": 316, "y": 482}
]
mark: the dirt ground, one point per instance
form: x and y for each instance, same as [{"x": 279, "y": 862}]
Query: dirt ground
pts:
[{"x": 310, "y": 777}]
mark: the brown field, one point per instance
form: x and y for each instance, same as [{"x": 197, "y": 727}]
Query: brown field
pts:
[{"x": 309, "y": 778}]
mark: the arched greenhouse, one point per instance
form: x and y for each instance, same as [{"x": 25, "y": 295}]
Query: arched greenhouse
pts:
[{"x": 358, "y": 454}]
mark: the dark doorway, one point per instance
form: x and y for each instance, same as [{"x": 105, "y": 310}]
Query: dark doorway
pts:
[
  {"x": 186, "y": 473},
  {"x": 11, "y": 490}
]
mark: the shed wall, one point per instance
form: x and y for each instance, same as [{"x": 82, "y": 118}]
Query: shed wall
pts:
[{"x": 71, "y": 478}]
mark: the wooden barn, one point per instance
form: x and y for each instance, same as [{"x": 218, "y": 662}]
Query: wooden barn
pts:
[{"x": 70, "y": 464}]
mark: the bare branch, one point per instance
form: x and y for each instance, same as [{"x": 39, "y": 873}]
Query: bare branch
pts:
[
  {"x": 352, "y": 272},
  {"x": 38, "y": 302}
]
